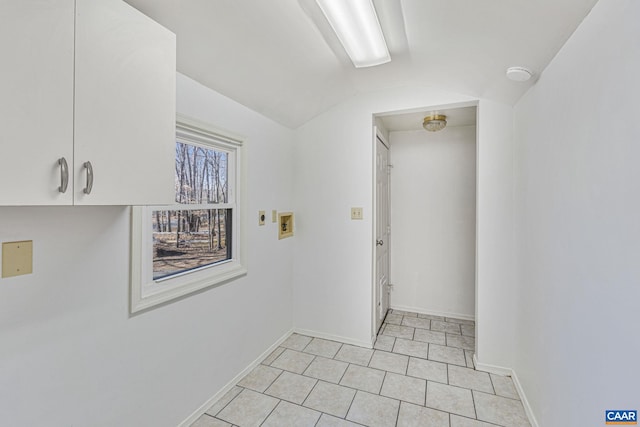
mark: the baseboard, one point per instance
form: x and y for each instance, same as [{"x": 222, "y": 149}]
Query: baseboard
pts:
[
  {"x": 206, "y": 405},
  {"x": 498, "y": 370},
  {"x": 331, "y": 337},
  {"x": 525, "y": 402},
  {"x": 434, "y": 312},
  {"x": 508, "y": 372}
]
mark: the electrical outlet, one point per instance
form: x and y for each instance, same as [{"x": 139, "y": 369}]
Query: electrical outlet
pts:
[
  {"x": 356, "y": 213},
  {"x": 261, "y": 217}
]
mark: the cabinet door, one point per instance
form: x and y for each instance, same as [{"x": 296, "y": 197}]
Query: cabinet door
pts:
[
  {"x": 125, "y": 70},
  {"x": 36, "y": 100}
]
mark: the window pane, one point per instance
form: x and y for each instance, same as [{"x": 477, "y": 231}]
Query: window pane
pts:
[
  {"x": 188, "y": 239},
  {"x": 201, "y": 175}
]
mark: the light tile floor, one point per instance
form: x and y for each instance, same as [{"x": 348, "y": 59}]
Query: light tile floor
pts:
[{"x": 420, "y": 373}]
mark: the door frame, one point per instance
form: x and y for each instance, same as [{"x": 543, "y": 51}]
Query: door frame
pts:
[
  {"x": 376, "y": 132},
  {"x": 374, "y": 223}
]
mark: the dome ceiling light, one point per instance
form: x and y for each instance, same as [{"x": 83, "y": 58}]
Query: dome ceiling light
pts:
[{"x": 434, "y": 122}]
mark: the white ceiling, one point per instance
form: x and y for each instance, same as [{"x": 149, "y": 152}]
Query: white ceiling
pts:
[{"x": 280, "y": 58}]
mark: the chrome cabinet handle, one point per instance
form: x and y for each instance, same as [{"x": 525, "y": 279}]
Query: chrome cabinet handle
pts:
[
  {"x": 89, "y": 168},
  {"x": 64, "y": 174},
  {"x": 379, "y": 243}
]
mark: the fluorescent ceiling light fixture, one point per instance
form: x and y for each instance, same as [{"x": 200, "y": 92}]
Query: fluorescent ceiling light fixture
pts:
[{"x": 356, "y": 24}]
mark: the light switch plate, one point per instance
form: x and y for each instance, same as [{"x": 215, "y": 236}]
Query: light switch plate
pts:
[
  {"x": 356, "y": 213},
  {"x": 17, "y": 258},
  {"x": 274, "y": 216},
  {"x": 261, "y": 217}
]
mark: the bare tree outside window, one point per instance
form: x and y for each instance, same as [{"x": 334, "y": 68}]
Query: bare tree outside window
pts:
[{"x": 194, "y": 237}]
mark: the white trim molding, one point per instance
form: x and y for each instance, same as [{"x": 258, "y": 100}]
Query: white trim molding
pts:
[
  {"x": 331, "y": 337},
  {"x": 525, "y": 401},
  {"x": 508, "y": 372},
  {"x": 434, "y": 312},
  {"x": 498, "y": 370}
]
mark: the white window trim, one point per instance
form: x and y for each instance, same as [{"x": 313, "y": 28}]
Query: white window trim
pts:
[{"x": 146, "y": 292}]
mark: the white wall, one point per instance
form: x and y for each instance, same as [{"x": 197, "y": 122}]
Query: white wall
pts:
[
  {"x": 495, "y": 312},
  {"x": 578, "y": 229},
  {"x": 332, "y": 271},
  {"x": 433, "y": 220},
  {"x": 70, "y": 354}
]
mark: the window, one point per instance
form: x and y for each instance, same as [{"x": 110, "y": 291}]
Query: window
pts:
[{"x": 196, "y": 242}]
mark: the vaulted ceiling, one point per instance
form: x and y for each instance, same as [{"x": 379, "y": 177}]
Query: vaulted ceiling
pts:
[{"x": 280, "y": 58}]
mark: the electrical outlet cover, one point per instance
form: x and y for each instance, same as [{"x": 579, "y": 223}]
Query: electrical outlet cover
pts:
[
  {"x": 356, "y": 213},
  {"x": 17, "y": 258}
]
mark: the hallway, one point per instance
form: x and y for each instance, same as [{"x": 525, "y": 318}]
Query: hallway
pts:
[{"x": 420, "y": 373}]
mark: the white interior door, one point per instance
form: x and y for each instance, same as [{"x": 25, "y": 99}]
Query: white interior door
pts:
[{"x": 383, "y": 228}]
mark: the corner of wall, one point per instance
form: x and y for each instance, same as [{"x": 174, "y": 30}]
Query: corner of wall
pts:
[
  {"x": 495, "y": 299},
  {"x": 509, "y": 372}
]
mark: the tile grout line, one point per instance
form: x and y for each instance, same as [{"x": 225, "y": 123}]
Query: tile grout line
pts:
[
  {"x": 344, "y": 373},
  {"x": 271, "y": 412},
  {"x": 486, "y": 422},
  {"x": 492, "y": 386},
  {"x": 473, "y": 399},
  {"x": 274, "y": 380},
  {"x": 309, "y": 394},
  {"x": 350, "y": 405},
  {"x": 227, "y": 404},
  {"x": 382, "y": 384},
  {"x": 398, "y": 413}
]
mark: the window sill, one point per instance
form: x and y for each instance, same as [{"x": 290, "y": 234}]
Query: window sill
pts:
[
  {"x": 156, "y": 293},
  {"x": 147, "y": 293}
]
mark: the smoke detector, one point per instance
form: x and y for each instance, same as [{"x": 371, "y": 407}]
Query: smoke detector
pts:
[{"x": 519, "y": 74}]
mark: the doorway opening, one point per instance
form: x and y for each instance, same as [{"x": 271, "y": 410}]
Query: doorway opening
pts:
[{"x": 424, "y": 227}]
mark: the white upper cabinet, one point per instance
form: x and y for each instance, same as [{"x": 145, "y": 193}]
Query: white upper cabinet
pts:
[
  {"x": 36, "y": 100},
  {"x": 125, "y": 105},
  {"x": 101, "y": 94}
]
